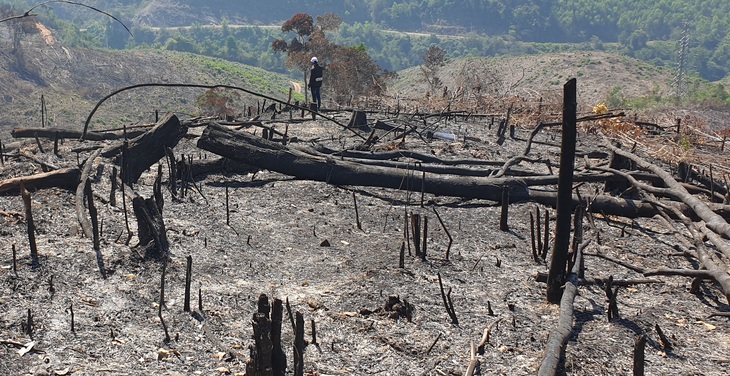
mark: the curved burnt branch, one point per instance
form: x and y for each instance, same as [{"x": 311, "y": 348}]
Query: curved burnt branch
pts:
[{"x": 88, "y": 119}]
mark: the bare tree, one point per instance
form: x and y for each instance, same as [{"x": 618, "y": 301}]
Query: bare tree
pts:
[{"x": 433, "y": 60}]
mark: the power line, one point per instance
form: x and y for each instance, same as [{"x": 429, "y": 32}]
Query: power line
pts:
[{"x": 680, "y": 82}]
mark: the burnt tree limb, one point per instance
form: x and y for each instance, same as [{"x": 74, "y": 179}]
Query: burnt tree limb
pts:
[
  {"x": 137, "y": 86},
  {"x": 255, "y": 151},
  {"x": 558, "y": 337},
  {"x": 80, "y": 192},
  {"x": 148, "y": 148},
  {"x": 714, "y": 221},
  {"x": 61, "y": 133},
  {"x": 65, "y": 178}
]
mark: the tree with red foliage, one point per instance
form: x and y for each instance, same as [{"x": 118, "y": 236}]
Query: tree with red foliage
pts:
[{"x": 349, "y": 70}]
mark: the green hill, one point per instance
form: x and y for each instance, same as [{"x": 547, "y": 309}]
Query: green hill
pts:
[{"x": 72, "y": 80}]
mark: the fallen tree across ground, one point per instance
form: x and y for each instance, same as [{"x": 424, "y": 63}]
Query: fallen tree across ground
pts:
[{"x": 253, "y": 150}]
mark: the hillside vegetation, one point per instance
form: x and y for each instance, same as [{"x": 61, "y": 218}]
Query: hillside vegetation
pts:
[
  {"x": 72, "y": 80},
  {"x": 648, "y": 30}
]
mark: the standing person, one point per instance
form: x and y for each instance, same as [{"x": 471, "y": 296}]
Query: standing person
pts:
[{"x": 315, "y": 82}]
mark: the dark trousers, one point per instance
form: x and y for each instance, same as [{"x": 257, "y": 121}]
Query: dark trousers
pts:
[{"x": 316, "y": 96}]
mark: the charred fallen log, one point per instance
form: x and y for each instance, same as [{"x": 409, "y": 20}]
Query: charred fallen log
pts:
[
  {"x": 255, "y": 151},
  {"x": 149, "y": 148},
  {"x": 60, "y": 133},
  {"x": 65, "y": 178}
]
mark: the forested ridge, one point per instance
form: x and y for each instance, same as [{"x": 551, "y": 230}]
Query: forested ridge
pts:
[{"x": 649, "y": 30}]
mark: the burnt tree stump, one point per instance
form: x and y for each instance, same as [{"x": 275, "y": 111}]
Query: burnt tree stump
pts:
[
  {"x": 267, "y": 355},
  {"x": 150, "y": 228}
]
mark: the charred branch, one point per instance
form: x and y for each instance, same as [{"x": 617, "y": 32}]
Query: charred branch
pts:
[
  {"x": 148, "y": 148},
  {"x": 65, "y": 178}
]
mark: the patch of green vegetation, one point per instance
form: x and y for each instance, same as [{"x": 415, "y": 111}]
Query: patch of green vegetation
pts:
[
  {"x": 585, "y": 62},
  {"x": 617, "y": 99}
]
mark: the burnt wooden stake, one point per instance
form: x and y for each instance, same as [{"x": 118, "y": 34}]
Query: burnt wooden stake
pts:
[
  {"x": 490, "y": 312},
  {"x": 35, "y": 263},
  {"x": 40, "y": 146},
  {"x": 712, "y": 186},
  {"x": 51, "y": 288},
  {"x": 433, "y": 344},
  {"x": 558, "y": 264},
  {"x": 357, "y": 214},
  {"x": 113, "y": 193},
  {"x": 71, "y": 309},
  {"x": 200, "y": 300},
  {"x": 538, "y": 228},
  {"x": 228, "y": 211},
  {"x": 401, "y": 258},
  {"x": 43, "y": 111},
  {"x": 503, "y": 225},
  {"x": 172, "y": 171},
  {"x": 261, "y": 352},
  {"x": 423, "y": 188},
  {"x": 162, "y": 303},
  {"x": 577, "y": 236},
  {"x": 126, "y": 165},
  {"x": 639, "y": 345},
  {"x": 314, "y": 333},
  {"x": 500, "y": 132},
  {"x": 546, "y": 238},
  {"x": 29, "y": 324},
  {"x": 291, "y": 316},
  {"x": 183, "y": 176},
  {"x": 663, "y": 340},
  {"x": 451, "y": 240},
  {"x": 532, "y": 238},
  {"x": 157, "y": 189},
  {"x": 416, "y": 231},
  {"x": 612, "y": 310},
  {"x": 299, "y": 346},
  {"x": 2, "y": 153},
  {"x": 425, "y": 237},
  {"x": 446, "y": 297},
  {"x": 278, "y": 357},
  {"x": 406, "y": 234},
  {"x": 124, "y": 177},
  {"x": 188, "y": 280},
  {"x": 55, "y": 143},
  {"x": 15, "y": 261},
  {"x": 95, "y": 227}
]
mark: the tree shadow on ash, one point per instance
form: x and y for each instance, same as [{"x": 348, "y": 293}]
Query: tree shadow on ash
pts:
[
  {"x": 415, "y": 200},
  {"x": 598, "y": 312},
  {"x": 709, "y": 298}
]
